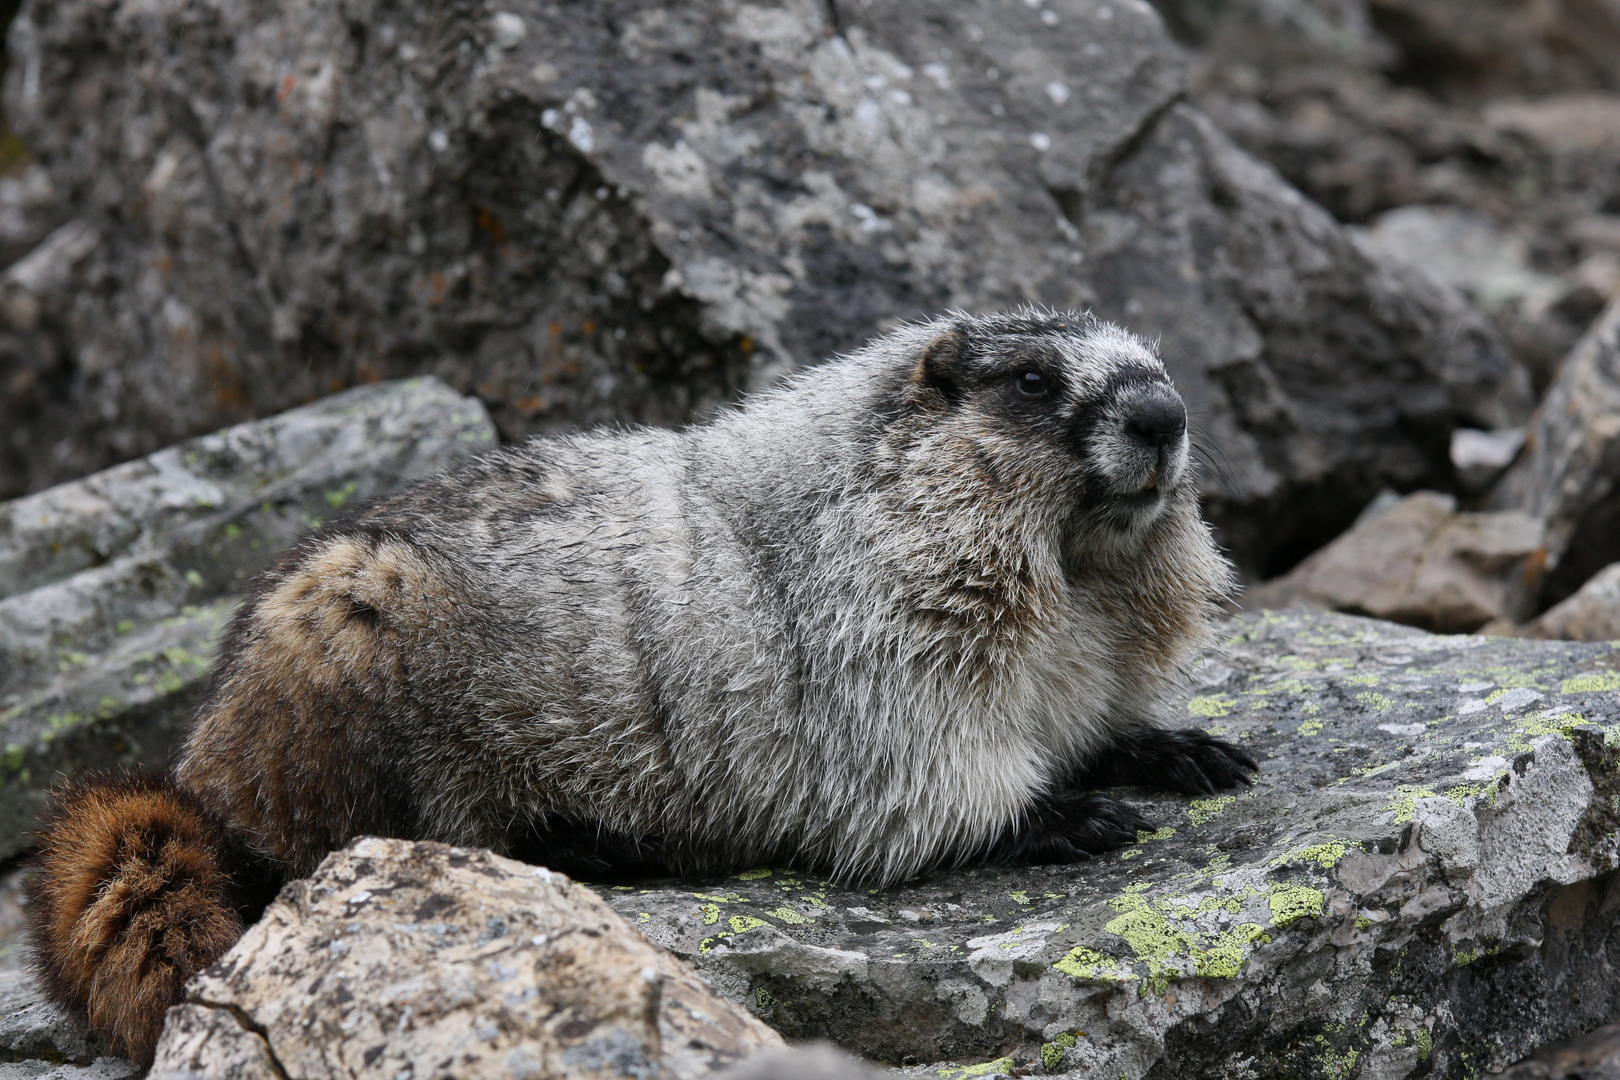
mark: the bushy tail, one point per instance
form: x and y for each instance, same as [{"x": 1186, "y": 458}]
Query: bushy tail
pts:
[{"x": 131, "y": 894}]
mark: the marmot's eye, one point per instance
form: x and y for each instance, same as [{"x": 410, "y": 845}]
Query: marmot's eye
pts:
[{"x": 1031, "y": 383}]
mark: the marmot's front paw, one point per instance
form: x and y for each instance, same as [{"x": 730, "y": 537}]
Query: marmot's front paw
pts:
[
  {"x": 1193, "y": 762},
  {"x": 1068, "y": 827}
]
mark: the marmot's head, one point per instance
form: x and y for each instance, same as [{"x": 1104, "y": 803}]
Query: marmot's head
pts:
[{"x": 1069, "y": 414}]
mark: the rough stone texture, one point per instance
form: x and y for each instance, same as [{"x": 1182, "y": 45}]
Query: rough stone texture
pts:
[
  {"x": 1592, "y": 613},
  {"x": 1566, "y": 475},
  {"x": 609, "y": 211},
  {"x": 1592, "y": 1056},
  {"x": 113, "y": 588},
  {"x": 1420, "y": 884},
  {"x": 38, "y": 1040},
  {"x": 434, "y": 960},
  {"x": 1423, "y": 563}
]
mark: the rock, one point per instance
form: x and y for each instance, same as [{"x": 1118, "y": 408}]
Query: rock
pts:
[
  {"x": 113, "y": 588},
  {"x": 821, "y": 1062},
  {"x": 39, "y": 1039},
  {"x": 1592, "y": 613},
  {"x": 398, "y": 957},
  {"x": 610, "y": 212},
  {"x": 1467, "y": 250},
  {"x": 1566, "y": 475},
  {"x": 1420, "y": 883},
  {"x": 1469, "y": 49},
  {"x": 1423, "y": 563},
  {"x": 1482, "y": 456},
  {"x": 1592, "y": 1056}
]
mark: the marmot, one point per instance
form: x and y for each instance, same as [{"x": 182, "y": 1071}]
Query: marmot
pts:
[{"x": 905, "y": 611}]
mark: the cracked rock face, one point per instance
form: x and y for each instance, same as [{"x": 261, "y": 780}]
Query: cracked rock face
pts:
[
  {"x": 426, "y": 960},
  {"x": 1566, "y": 476},
  {"x": 115, "y": 588},
  {"x": 1420, "y": 884},
  {"x": 608, "y": 211}
]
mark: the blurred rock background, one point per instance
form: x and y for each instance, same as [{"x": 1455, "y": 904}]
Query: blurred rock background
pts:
[{"x": 1368, "y": 233}]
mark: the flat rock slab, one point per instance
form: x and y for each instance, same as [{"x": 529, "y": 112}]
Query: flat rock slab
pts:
[
  {"x": 1417, "y": 885},
  {"x": 114, "y": 588}
]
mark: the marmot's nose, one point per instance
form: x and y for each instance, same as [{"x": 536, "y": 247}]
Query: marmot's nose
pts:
[{"x": 1156, "y": 419}]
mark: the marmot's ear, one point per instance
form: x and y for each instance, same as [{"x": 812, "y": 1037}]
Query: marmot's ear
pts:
[{"x": 942, "y": 367}]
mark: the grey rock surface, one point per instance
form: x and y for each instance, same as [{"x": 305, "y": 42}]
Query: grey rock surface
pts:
[
  {"x": 1566, "y": 475},
  {"x": 1591, "y": 613},
  {"x": 114, "y": 588},
  {"x": 1420, "y": 884},
  {"x": 431, "y": 960},
  {"x": 37, "y": 1038},
  {"x": 608, "y": 212},
  {"x": 1421, "y": 562},
  {"x": 1592, "y": 1056}
]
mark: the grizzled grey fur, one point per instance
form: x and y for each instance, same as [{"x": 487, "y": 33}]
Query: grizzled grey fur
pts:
[{"x": 903, "y": 611}]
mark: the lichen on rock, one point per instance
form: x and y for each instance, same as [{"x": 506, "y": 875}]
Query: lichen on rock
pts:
[{"x": 1418, "y": 879}]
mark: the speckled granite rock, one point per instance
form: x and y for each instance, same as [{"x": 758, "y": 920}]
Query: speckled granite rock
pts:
[
  {"x": 113, "y": 588},
  {"x": 1419, "y": 885},
  {"x": 426, "y": 960},
  {"x": 610, "y": 211},
  {"x": 1566, "y": 474}
]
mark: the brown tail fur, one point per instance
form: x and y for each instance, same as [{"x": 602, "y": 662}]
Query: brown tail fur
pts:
[{"x": 131, "y": 895}]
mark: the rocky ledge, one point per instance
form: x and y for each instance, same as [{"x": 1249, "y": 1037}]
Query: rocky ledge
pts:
[
  {"x": 1418, "y": 885},
  {"x": 114, "y": 588}
]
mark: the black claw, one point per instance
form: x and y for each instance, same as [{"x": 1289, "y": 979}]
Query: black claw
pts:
[
  {"x": 1067, "y": 826},
  {"x": 1187, "y": 762}
]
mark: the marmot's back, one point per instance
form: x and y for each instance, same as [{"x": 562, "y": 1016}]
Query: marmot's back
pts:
[{"x": 903, "y": 612}]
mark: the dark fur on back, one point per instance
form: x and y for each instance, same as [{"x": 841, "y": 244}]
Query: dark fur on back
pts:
[{"x": 129, "y": 897}]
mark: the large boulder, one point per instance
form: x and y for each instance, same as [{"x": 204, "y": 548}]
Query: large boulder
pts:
[
  {"x": 1567, "y": 475},
  {"x": 114, "y": 588},
  {"x": 421, "y": 959},
  {"x": 1421, "y": 883},
  {"x": 609, "y": 211}
]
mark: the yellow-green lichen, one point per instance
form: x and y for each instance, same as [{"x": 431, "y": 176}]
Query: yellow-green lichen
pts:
[
  {"x": 1225, "y": 958},
  {"x": 1375, "y": 701},
  {"x": 1206, "y": 810},
  {"x": 989, "y": 1068},
  {"x": 711, "y": 914},
  {"x": 1405, "y": 804},
  {"x": 1212, "y": 706},
  {"x": 1290, "y": 903},
  {"x": 1310, "y": 727},
  {"x": 1019, "y": 896},
  {"x": 1326, "y": 855},
  {"x": 1052, "y": 1052},
  {"x": 1588, "y": 684},
  {"x": 741, "y": 924},
  {"x": 1143, "y": 835},
  {"x": 1151, "y": 938},
  {"x": 753, "y": 875},
  {"x": 790, "y": 916},
  {"x": 1087, "y": 964},
  {"x": 336, "y": 499}
]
